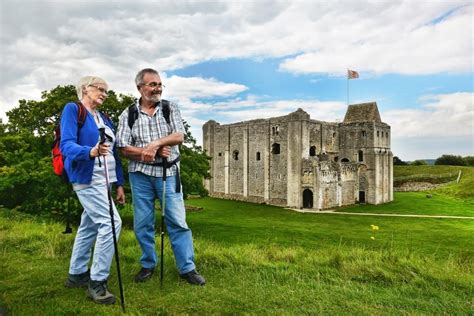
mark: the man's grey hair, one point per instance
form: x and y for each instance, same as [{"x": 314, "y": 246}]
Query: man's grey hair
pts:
[
  {"x": 87, "y": 81},
  {"x": 141, "y": 74}
]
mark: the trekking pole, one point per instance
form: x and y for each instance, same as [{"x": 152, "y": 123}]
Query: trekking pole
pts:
[
  {"x": 163, "y": 206},
  {"x": 111, "y": 211}
]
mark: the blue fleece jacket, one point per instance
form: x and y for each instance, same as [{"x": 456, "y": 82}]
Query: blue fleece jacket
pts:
[{"x": 77, "y": 163}]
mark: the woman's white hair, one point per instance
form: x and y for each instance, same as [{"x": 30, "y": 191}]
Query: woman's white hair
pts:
[{"x": 87, "y": 81}]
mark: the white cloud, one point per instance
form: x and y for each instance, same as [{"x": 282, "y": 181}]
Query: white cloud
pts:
[
  {"x": 197, "y": 87},
  {"x": 443, "y": 115},
  {"x": 392, "y": 41}
]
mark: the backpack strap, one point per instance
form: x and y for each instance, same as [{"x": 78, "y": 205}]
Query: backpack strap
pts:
[
  {"x": 81, "y": 116},
  {"x": 165, "y": 108},
  {"x": 133, "y": 113}
]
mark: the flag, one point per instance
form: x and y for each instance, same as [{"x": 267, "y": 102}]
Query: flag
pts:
[{"x": 351, "y": 74}]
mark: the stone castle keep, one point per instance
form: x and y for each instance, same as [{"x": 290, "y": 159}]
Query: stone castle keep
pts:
[{"x": 299, "y": 162}]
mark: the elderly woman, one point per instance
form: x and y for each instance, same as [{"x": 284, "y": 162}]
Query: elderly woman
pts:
[{"x": 84, "y": 164}]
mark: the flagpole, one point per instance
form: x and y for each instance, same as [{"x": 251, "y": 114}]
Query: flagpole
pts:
[{"x": 347, "y": 75}]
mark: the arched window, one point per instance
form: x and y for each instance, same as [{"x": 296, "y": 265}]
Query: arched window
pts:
[
  {"x": 344, "y": 160},
  {"x": 312, "y": 151},
  {"x": 361, "y": 155},
  {"x": 258, "y": 155},
  {"x": 378, "y": 134},
  {"x": 235, "y": 155},
  {"x": 276, "y": 149}
]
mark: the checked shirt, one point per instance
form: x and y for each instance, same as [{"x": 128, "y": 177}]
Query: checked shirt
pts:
[{"x": 147, "y": 129}]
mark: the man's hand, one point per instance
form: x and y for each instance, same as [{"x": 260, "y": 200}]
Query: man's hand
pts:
[
  {"x": 120, "y": 195},
  {"x": 149, "y": 152},
  {"x": 164, "y": 151}
]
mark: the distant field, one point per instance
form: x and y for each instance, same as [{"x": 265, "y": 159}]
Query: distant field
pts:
[
  {"x": 456, "y": 199},
  {"x": 418, "y": 203},
  {"x": 463, "y": 189}
]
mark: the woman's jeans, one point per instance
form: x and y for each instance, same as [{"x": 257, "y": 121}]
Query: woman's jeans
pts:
[
  {"x": 145, "y": 189},
  {"x": 95, "y": 226}
]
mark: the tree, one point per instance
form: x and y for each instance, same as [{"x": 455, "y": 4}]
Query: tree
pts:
[
  {"x": 469, "y": 160},
  {"x": 398, "y": 162},
  {"x": 450, "y": 160},
  {"x": 418, "y": 163},
  {"x": 194, "y": 165}
]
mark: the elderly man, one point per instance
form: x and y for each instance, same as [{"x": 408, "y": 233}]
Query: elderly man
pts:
[{"x": 148, "y": 129}]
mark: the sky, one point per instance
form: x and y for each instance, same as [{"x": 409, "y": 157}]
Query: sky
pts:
[{"x": 232, "y": 61}]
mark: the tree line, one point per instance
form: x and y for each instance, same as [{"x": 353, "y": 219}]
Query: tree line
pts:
[
  {"x": 27, "y": 181},
  {"x": 450, "y": 160}
]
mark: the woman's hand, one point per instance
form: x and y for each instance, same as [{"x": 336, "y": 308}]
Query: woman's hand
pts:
[
  {"x": 120, "y": 195},
  {"x": 99, "y": 150}
]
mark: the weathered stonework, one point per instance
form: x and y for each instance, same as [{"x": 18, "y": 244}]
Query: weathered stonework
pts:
[{"x": 298, "y": 162}]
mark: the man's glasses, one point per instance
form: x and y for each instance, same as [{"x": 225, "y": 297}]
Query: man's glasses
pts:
[
  {"x": 154, "y": 85},
  {"x": 102, "y": 90}
]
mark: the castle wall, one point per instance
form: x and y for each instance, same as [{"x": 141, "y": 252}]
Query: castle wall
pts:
[
  {"x": 278, "y": 167},
  {"x": 257, "y": 160},
  {"x": 237, "y": 152}
]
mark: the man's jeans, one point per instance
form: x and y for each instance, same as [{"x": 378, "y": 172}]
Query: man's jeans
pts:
[
  {"x": 95, "y": 226},
  {"x": 145, "y": 189}
]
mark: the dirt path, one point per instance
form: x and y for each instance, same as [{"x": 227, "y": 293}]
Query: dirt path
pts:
[{"x": 380, "y": 214}]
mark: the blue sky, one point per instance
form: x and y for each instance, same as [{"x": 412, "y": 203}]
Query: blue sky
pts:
[{"x": 232, "y": 61}]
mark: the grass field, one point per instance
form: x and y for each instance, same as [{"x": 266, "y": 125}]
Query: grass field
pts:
[
  {"x": 455, "y": 199},
  {"x": 464, "y": 189},
  {"x": 259, "y": 259}
]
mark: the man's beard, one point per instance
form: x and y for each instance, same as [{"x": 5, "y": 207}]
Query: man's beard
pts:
[{"x": 153, "y": 98}]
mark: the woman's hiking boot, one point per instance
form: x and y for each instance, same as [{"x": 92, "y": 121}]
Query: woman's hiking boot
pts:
[
  {"x": 78, "y": 280},
  {"x": 97, "y": 291}
]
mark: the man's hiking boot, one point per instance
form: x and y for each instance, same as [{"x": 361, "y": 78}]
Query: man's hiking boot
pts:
[
  {"x": 193, "y": 277},
  {"x": 78, "y": 280},
  {"x": 97, "y": 291},
  {"x": 144, "y": 275}
]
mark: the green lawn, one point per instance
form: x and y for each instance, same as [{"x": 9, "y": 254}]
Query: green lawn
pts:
[
  {"x": 419, "y": 203},
  {"x": 455, "y": 199},
  {"x": 258, "y": 259},
  {"x": 464, "y": 189}
]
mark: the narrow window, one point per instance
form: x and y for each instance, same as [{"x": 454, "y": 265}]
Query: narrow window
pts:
[
  {"x": 258, "y": 155},
  {"x": 312, "y": 151},
  {"x": 275, "y": 130},
  {"x": 276, "y": 149},
  {"x": 364, "y": 134},
  {"x": 378, "y": 134},
  {"x": 336, "y": 159},
  {"x": 361, "y": 155},
  {"x": 220, "y": 154},
  {"x": 333, "y": 135},
  {"x": 235, "y": 155}
]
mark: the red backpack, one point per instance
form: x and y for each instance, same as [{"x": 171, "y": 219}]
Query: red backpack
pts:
[{"x": 58, "y": 158}]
